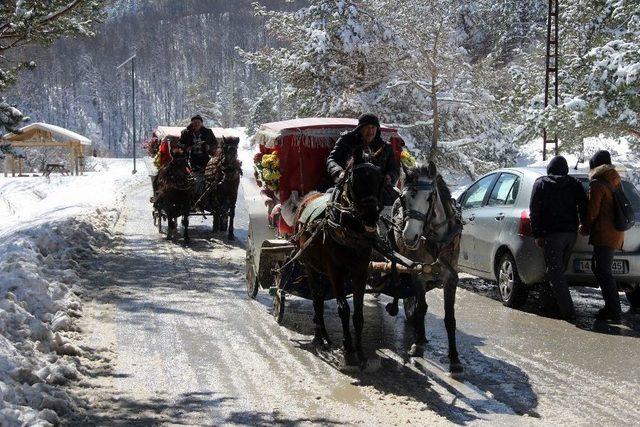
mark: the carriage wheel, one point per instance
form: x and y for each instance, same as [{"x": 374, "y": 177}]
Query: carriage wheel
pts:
[
  {"x": 279, "y": 296},
  {"x": 410, "y": 305},
  {"x": 278, "y": 305},
  {"x": 250, "y": 269}
]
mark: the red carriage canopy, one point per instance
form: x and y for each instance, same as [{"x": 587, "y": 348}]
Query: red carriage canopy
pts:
[{"x": 303, "y": 146}]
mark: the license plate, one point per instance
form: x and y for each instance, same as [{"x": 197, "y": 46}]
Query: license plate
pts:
[{"x": 619, "y": 266}]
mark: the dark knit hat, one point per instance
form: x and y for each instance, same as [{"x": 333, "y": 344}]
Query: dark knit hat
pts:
[
  {"x": 558, "y": 166},
  {"x": 368, "y": 119},
  {"x": 602, "y": 157},
  {"x": 197, "y": 117}
]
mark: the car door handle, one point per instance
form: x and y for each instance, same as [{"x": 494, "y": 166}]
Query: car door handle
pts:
[{"x": 499, "y": 217}]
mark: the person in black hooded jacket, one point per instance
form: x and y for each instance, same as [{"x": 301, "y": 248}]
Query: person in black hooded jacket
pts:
[
  {"x": 558, "y": 202},
  {"x": 366, "y": 135}
]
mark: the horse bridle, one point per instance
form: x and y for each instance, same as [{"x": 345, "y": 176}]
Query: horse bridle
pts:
[
  {"x": 369, "y": 200},
  {"x": 341, "y": 213},
  {"x": 412, "y": 213}
]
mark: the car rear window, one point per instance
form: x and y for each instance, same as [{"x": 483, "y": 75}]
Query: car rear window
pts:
[{"x": 629, "y": 190}]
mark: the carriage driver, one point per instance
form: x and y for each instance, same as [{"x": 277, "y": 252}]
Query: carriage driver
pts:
[
  {"x": 368, "y": 136},
  {"x": 199, "y": 142}
]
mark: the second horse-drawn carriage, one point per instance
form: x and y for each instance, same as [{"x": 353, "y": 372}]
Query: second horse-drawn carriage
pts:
[
  {"x": 319, "y": 245},
  {"x": 181, "y": 191}
]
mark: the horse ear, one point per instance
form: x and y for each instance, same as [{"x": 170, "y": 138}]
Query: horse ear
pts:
[{"x": 433, "y": 171}]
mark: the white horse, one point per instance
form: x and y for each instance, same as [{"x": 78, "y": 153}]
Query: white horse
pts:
[{"x": 427, "y": 229}]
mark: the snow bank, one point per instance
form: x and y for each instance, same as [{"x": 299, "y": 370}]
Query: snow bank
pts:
[{"x": 48, "y": 227}]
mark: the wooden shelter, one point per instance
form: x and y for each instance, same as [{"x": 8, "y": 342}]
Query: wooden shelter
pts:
[{"x": 44, "y": 135}]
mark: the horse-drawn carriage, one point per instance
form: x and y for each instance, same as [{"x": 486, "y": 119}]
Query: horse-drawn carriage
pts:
[
  {"x": 180, "y": 191},
  {"x": 290, "y": 163},
  {"x": 295, "y": 237}
]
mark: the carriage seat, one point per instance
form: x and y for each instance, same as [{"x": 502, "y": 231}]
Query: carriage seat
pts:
[{"x": 315, "y": 209}]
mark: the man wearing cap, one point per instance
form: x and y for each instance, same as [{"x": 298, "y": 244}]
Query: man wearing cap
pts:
[
  {"x": 558, "y": 201},
  {"x": 199, "y": 142},
  {"x": 366, "y": 135}
]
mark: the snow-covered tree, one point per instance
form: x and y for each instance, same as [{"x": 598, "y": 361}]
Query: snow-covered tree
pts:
[
  {"x": 202, "y": 100},
  {"x": 263, "y": 110},
  {"x": 442, "y": 92},
  {"x": 599, "y": 73},
  {"x": 29, "y": 22},
  {"x": 334, "y": 54}
]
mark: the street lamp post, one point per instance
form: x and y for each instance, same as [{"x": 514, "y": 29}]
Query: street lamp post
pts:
[{"x": 133, "y": 99}]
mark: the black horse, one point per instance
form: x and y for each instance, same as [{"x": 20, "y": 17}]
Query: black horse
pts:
[
  {"x": 337, "y": 245},
  {"x": 223, "y": 179},
  {"x": 174, "y": 195}
]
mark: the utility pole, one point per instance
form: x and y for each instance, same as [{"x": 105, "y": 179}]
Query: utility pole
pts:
[
  {"x": 551, "y": 70},
  {"x": 133, "y": 100}
]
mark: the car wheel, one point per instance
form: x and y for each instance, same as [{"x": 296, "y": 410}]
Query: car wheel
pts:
[
  {"x": 633, "y": 297},
  {"x": 512, "y": 291}
]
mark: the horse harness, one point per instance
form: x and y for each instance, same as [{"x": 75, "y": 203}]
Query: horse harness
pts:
[{"x": 340, "y": 222}]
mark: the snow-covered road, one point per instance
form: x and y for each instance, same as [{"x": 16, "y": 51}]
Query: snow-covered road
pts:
[{"x": 187, "y": 346}]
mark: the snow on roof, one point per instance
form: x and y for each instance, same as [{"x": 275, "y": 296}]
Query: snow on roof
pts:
[
  {"x": 312, "y": 130},
  {"x": 312, "y": 122},
  {"x": 48, "y": 130}
]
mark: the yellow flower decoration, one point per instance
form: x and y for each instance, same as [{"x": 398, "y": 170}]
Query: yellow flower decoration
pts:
[{"x": 407, "y": 158}]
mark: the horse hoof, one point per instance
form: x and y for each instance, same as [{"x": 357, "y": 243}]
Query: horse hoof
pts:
[
  {"x": 416, "y": 350},
  {"x": 317, "y": 342},
  {"x": 231, "y": 237},
  {"x": 350, "y": 359},
  {"x": 392, "y": 309},
  {"x": 363, "y": 363},
  {"x": 456, "y": 368}
]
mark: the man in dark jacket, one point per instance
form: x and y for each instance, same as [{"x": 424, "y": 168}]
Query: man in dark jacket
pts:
[
  {"x": 557, "y": 202},
  {"x": 366, "y": 135},
  {"x": 200, "y": 142},
  {"x": 603, "y": 235}
]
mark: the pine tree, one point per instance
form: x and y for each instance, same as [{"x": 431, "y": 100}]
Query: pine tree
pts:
[
  {"x": 201, "y": 100},
  {"x": 30, "y": 22},
  {"x": 334, "y": 56},
  {"x": 263, "y": 110},
  {"x": 599, "y": 75}
]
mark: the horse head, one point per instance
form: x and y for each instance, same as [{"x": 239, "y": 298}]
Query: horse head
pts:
[
  {"x": 418, "y": 199},
  {"x": 364, "y": 185},
  {"x": 230, "y": 149}
]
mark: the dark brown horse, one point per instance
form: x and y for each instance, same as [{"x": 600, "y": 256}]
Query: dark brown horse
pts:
[
  {"x": 223, "y": 179},
  {"x": 174, "y": 192},
  {"x": 337, "y": 246},
  {"x": 428, "y": 230}
]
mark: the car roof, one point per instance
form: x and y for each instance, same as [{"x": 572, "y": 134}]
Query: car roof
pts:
[{"x": 536, "y": 171}]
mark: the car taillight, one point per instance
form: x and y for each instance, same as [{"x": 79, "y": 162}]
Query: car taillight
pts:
[{"x": 524, "y": 228}]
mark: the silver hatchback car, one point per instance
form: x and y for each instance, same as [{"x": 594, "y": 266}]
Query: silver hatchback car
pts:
[{"x": 497, "y": 241}]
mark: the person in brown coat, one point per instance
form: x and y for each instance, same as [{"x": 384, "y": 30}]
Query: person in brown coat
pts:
[{"x": 599, "y": 226}]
